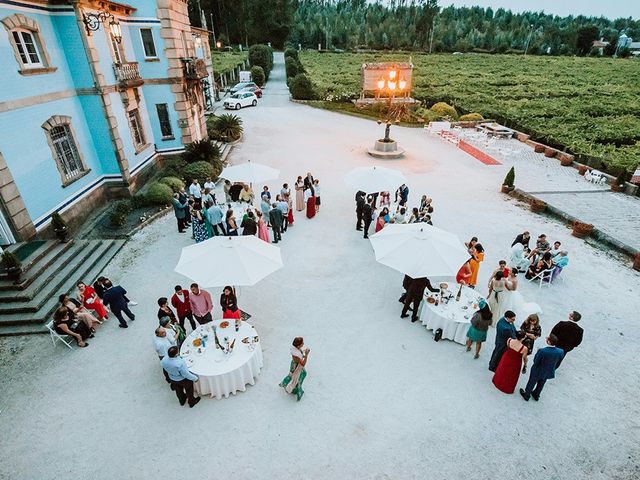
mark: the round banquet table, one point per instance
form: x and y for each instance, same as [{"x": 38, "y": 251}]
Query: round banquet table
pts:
[
  {"x": 220, "y": 375},
  {"x": 453, "y": 318}
]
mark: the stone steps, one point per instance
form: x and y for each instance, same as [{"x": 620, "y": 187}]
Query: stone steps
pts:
[{"x": 29, "y": 313}]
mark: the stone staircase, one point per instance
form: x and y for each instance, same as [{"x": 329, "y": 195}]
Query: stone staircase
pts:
[{"x": 52, "y": 269}]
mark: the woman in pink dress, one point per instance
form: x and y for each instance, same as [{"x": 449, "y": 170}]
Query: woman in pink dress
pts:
[
  {"x": 263, "y": 233},
  {"x": 506, "y": 377}
]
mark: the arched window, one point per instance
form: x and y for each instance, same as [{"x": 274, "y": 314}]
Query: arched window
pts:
[
  {"x": 64, "y": 148},
  {"x": 28, "y": 46}
]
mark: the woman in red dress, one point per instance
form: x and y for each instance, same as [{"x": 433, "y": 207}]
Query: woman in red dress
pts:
[
  {"x": 287, "y": 198},
  {"x": 87, "y": 295},
  {"x": 311, "y": 207},
  {"x": 464, "y": 274},
  {"x": 229, "y": 304},
  {"x": 506, "y": 377}
]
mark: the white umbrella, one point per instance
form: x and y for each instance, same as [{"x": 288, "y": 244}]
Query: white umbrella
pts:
[
  {"x": 419, "y": 250},
  {"x": 249, "y": 172},
  {"x": 375, "y": 179},
  {"x": 220, "y": 261}
]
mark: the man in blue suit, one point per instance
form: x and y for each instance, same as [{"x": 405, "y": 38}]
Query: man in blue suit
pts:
[
  {"x": 544, "y": 368},
  {"x": 504, "y": 331},
  {"x": 116, "y": 299}
]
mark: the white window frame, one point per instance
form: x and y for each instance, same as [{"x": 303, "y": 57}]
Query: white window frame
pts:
[
  {"x": 23, "y": 51},
  {"x": 153, "y": 42},
  {"x": 64, "y": 149},
  {"x": 117, "y": 50}
]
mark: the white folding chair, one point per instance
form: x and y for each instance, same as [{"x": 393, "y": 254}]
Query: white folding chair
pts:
[
  {"x": 544, "y": 277},
  {"x": 56, "y": 336}
]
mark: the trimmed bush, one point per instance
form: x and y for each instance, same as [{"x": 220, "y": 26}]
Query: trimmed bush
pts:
[
  {"x": 199, "y": 171},
  {"x": 119, "y": 212},
  {"x": 158, "y": 194},
  {"x": 201, "y": 151},
  {"x": 301, "y": 87},
  {"x": 510, "y": 178},
  {"x": 291, "y": 67},
  {"x": 174, "y": 183},
  {"x": 444, "y": 110},
  {"x": 291, "y": 53},
  {"x": 257, "y": 74},
  {"x": 226, "y": 127},
  {"x": 471, "y": 117},
  {"x": 174, "y": 167},
  {"x": 262, "y": 56}
]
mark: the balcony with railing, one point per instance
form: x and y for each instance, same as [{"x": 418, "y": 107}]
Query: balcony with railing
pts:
[
  {"x": 127, "y": 74},
  {"x": 194, "y": 68}
]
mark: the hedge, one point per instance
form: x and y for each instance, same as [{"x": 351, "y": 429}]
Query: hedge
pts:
[
  {"x": 471, "y": 117},
  {"x": 262, "y": 56},
  {"x": 174, "y": 183},
  {"x": 199, "y": 171},
  {"x": 301, "y": 87},
  {"x": 257, "y": 74},
  {"x": 443, "y": 109}
]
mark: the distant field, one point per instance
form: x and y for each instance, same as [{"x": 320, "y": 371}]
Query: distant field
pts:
[
  {"x": 589, "y": 105},
  {"x": 224, "y": 61}
]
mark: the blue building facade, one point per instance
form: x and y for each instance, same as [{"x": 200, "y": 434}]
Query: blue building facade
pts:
[{"x": 93, "y": 93}]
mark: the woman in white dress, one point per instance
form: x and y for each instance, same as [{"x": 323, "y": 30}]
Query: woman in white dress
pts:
[
  {"x": 497, "y": 286},
  {"x": 512, "y": 299}
]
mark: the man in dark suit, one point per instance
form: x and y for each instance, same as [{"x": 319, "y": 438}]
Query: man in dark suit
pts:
[
  {"x": 406, "y": 283},
  {"x": 415, "y": 292},
  {"x": 568, "y": 333},
  {"x": 308, "y": 183},
  {"x": 179, "y": 211},
  {"x": 275, "y": 219},
  {"x": 360, "y": 201},
  {"x": 116, "y": 299},
  {"x": 249, "y": 225},
  {"x": 544, "y": 368},
  {"x": 504, "y": 331},
  {"x": 367, "y": 212}
]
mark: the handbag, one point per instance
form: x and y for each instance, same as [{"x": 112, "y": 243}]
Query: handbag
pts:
[{"x": 438, "y": 335}]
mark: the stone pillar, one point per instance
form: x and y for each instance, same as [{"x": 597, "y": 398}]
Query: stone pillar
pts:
[
  {"x": 13, "y": 206},
  {"x": 100, "y": 84}
]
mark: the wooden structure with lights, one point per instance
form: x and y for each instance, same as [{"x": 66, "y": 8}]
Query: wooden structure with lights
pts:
[{"x": 383, "y": 81}]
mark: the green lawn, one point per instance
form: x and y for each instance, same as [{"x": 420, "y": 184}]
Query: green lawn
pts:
[
  {"x": 224, "y": 61},
  {"x": 589, "y": 105}
]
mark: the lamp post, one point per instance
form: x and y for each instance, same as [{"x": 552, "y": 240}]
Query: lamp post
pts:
[
  {"x": 391, "y": 84},
  {"x": 92, "y": 22}
]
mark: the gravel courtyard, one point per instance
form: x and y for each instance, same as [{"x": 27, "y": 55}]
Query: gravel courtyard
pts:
[{"x": 383, "y": 400}]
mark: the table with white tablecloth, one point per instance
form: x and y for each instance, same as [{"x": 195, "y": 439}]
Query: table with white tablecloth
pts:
[
  {"x": 453, "y": 317},
  {"x": 220, "y": 374}
]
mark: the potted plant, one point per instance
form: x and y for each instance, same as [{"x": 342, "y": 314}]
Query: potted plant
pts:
[
  {"x": 618, "y": 184},
  {"x": 538, "y": 148},
  {"x": 550, "y": 152},
  {"x": 508, "y": 183},
  {"x": 581, "y": 229},
  {"x": 60, "y": 227},
  {"x": 538, "y": 206},
  {"x": 12, "y": 265}
]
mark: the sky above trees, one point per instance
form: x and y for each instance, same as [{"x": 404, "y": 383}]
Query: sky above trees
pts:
[{"x": 610, "y": 9}]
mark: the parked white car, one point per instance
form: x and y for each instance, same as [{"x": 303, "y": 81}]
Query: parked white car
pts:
[{"x": 239, "y": 100}]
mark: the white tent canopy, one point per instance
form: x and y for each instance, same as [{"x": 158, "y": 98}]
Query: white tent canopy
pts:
[{"x": 249, "y": 173}]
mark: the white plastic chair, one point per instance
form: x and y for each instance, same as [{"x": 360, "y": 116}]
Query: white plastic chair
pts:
[
  {"x": 56, "y": 336},
  {"x": 543, "y": 277}
]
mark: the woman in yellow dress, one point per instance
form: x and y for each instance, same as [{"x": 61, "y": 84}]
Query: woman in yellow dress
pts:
[{"x": 476, "y": 257}]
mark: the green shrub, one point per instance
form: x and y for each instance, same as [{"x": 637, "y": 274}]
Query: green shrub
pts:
[
  {"x": 174, "y": 183},
  {"x": 262, "y": 56},
  {"x": 257, "y": 74},
  {"x": 510, "y": 178},
  {"x": 199, "y": 171},
  {"x": 119, "y": 213},
  {"x": 201, "y": 151},
  {"x": 291, "y": 67},
  {"x": 10, "y": 260},
  {"x": 301, "y": 87},
  {"x": 471, "y": 117},
  {"x": 444, "y": 110},
  {"x": 226, "y": 127},
  {"x": 174, "y": 167},
  {"x": 158, "y": 194},
  {"x": 291, "y": 53}
]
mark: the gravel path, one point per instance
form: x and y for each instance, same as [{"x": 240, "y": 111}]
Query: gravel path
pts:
[{"x": 383, "y": 400}]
